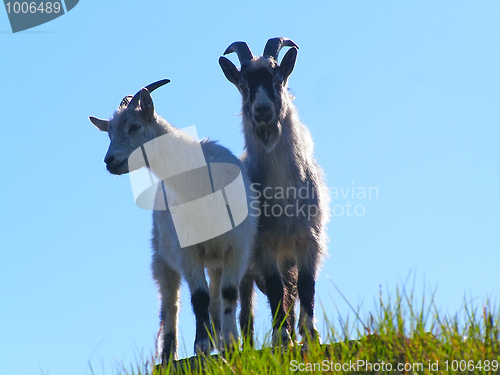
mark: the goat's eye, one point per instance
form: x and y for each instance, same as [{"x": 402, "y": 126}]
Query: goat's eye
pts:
[
  {"x": 243, "y": 89},
  {"x": 134, "y": 127}
]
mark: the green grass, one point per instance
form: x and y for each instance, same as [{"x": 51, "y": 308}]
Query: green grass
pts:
[{"x": 417, "y": 339}]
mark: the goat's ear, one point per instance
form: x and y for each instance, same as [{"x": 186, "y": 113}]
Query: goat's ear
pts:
[
  {"x": 230, "y": 71},
  {"x": 147, "y": 106},
  {"x": 288, "y": 63},
  {"x": 99, "y": 124}
]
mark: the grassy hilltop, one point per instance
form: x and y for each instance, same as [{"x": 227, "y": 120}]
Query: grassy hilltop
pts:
[{"x": 395, "y": 339}]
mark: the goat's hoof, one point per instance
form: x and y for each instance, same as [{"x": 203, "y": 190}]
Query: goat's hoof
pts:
[
  {"x": 229, "y": 344},
  {"x": 247, "y": 342},
  {"x": 309, "y": 336},
  {"x": 281, "y": 336},
  {"x": 167, "y": 357},
  {"x": 228, "y": 350},
  {"x": 203, "y": 346}
]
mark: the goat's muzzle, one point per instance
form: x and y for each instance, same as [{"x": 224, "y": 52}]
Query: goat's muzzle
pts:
[
  {"x": 115, "y": 166},
  {"x": 263, "y": 113}
]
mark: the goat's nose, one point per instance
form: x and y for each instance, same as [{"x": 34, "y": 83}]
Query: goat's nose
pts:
[
  {"x": 262, "y": 112},
  {"x": 261, "y": 108},
  {"x": 109, "y": 159}
]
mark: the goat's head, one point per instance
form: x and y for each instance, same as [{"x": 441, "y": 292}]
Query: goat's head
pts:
[
  {"x": 132, "y": 125},
  {"x": 262, "y": 83}
]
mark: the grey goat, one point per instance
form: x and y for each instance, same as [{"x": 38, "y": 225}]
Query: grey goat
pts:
[
  {"x": 131, "y": 127},
  {"x": 294, "y": 201}
]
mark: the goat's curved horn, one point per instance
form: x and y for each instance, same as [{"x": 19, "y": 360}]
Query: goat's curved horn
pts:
[
  {"x": 151, "y": 87},
  {"x": 126, "y": 100},
  {"x": 242, "y": 50},
  {"x": 274, "y": 46}
]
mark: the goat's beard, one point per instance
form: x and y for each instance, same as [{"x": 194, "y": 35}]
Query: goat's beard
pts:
[{"x": 267, "y": 135}]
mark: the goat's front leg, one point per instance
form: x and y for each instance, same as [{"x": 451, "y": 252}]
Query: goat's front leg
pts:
[
  {"x": 307, "y": 266},
  {"x": 194, "y": 273},
  {"x": 232, "y": 273},
  {"x": 169, "y": 286}
]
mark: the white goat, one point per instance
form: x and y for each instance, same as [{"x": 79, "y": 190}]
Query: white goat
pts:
[{"x": 131, "y": 127}]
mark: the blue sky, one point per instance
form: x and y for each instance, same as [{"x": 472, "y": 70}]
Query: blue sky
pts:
[{"x": 399, "y": 96}]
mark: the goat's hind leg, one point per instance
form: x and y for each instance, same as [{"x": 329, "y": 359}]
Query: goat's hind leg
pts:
[
  {"x": 215, "y": 300},
  {"x": 288, "y": 270},
  {"x": 194, "y": 273},
  {"x": 274, "y": 289},
  {"x": 169, "y": 286},
  {"x": 247, "y": 296},
  {"x": 273, "y": 282}
]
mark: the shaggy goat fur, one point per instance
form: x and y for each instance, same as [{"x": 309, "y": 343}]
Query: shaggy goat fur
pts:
[
  {"x": 294, "y": 200},
  {"x": 225, "y": 257}
]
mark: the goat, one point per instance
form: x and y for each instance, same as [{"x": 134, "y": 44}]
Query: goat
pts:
[
  {"x": 291, "y": 243},
  {"x": 136, "y": 126}
]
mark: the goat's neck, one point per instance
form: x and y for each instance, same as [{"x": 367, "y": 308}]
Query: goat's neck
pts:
[
  {"x": 178, "y": 160},
  {"x": 285, "y": 165}
]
